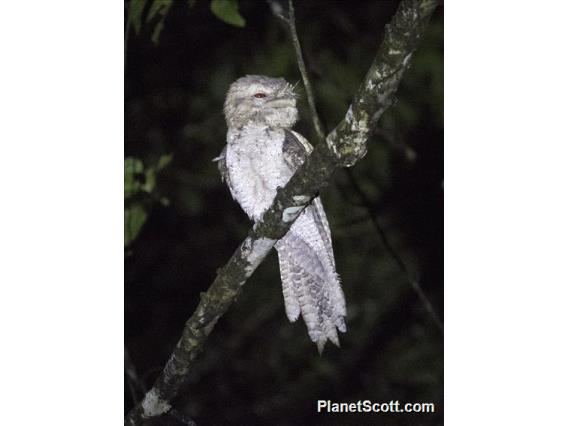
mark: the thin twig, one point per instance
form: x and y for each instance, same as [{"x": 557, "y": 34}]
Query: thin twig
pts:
[
  {"x": 277, "y": 10},
  {"x": 302, "y": 66},
  {"x": 413, "y": 281}
]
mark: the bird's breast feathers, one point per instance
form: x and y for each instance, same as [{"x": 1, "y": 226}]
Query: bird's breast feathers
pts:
[{"x": 256, "y": 167}]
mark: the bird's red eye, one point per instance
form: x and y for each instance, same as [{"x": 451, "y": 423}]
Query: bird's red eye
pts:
[{"x": 260, "y": 95}]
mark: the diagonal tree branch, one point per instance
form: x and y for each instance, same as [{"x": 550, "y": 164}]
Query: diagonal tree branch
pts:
[
  {"x": 414, "y": 283},
  {"x": 344, "y": 146}
]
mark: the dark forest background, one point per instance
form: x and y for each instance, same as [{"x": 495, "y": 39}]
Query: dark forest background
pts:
[{"x": 182, "y": 224}]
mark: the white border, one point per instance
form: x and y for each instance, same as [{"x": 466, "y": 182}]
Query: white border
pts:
[
  {"x": 61, "y": 250},
  {"x": 61, "y": 225},
  {"x": 506, "y": 212}
]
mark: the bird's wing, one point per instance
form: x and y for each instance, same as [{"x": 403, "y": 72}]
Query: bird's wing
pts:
[
  {"x": 296, "y": 149},
  {"x": 222, "y": 165},
  {"x": 310, "y": 283}
]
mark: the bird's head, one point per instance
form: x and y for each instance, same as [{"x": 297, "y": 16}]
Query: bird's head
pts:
[{"x": 257, "y": 99}]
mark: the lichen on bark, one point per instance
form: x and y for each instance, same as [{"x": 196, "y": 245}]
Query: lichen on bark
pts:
[{"x": 348, "y": 140}]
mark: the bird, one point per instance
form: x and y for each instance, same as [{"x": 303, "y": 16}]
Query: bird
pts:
[{"x": 261, "y": 155}]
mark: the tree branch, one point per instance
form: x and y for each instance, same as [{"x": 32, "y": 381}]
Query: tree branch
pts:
[
  {"x": 344, "y": 146},
  {"x": 414, "y": 283}
]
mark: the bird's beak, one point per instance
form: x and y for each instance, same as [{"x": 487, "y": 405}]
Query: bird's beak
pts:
[{"x": 282, "y": 102}]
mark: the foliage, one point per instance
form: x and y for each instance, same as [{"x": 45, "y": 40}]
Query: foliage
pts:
[
  {"x": 139, "y": 185},
  {"x": 135, "y": 12},
  {"x": 156, "y": 15},
  {"x": 159, "y": 8},
  {"x": 156, "y": 11},
  {"x": 228, "y": 11}
]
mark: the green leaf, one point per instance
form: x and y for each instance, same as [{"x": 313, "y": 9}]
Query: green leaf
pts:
[
  {"x": 135, "y": 11},
  {"x": 134, "y": 218},
  {"x": 155, "y": 17},
  {"x": 133, "y": 167},
  {"x": 151, "y": 173},
  {"x": 134, "y": 213},
  {"x": 139, "y": 184},
  {"x": 164, "y": 161},
  {"x": 158, "y": 8},
  {"x": 228, "y": 11}
]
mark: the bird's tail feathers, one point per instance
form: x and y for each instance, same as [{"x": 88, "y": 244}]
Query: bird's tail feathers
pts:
[{"x": 312, "y": 289}]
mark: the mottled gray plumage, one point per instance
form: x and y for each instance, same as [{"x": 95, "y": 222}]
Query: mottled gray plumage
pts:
[{"x": 261, "y": 154}]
